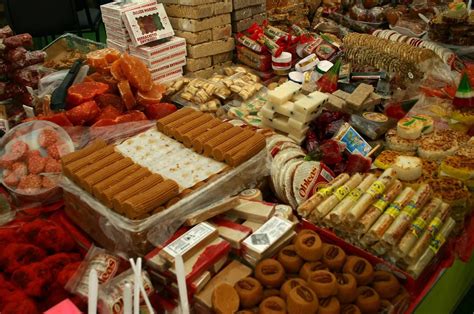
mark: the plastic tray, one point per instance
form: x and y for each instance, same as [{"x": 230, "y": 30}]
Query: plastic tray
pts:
[{"x": 116, "y": 232}]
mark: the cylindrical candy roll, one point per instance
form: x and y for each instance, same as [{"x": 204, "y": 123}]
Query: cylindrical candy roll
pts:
[
  {"x": 376, "y": 210},
  {"x": 198, "y": 142},
  {"x": 191, "y": 125},
  {"x": 417, "y": 268},
  {"x": 373, "y": 192},
  {"x": 236, "y": 149},
  {"x": 188, "y": 137},
  {"x": 385, "y": 221},
  {"x": 402, "y": 222},
  {"x": 337, "y": 215},
  {"x": 428, "y": 234},
  {"x": 255, "y": 145},
  {"x": 160, "y": 124},
  {"x": 219, "y": 151},
  {"x": 220, "y": 139},
  {"x": 417, "y": 227},
  {"x": 308, "y": 206},
  {"x": 325, "y": 207},
  {"x": 167, "y": 129}
]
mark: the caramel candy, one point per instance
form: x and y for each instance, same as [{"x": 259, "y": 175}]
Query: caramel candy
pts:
[
  {"x": 135, "y": 190},
  {"x": 350, "y": 309},
  {"x": 360, "y": 268},
  {"x": 220, "y": 139},
  {"x": 302, "y": 300},
  {"x": 219, "y": 151},
  {"x": 198, "y": 142},
  {"x": 188, "y": 137},
  {"x": 251, "y": 147},
  {"x": 167, "y": 129},
  {"x": 91, "y": 169},
  {"x": 309, "y": 247},
  {"x": 333, "y": 256},
  {"x": 250, "y": 292},
  {"x": 368, "y": 300},
  {"x": 114, "y": 179},
  {"x": 225, "y": 299},
  {"x": 346, "y": 288},
  {"x": 303, "y": 232},
  {"x": 289, "y": 259},
  {"x": 86, "y": 151},
  {"x": 179, "y": 132},
  {"x": 74, "y": 166},
  {"x": 323, "y": 283},
  {"x": 310, "y": 267},
  {"x": 329, "y": 305},
  {"x": 272, "y": 305},
  {"x": 386, "y": 284},
  {"x": 160, "y": 124},
  {"x": 106, "y": 172},
  {"x": 289, "y": 285},
  {"x": 270, "y": 273}
]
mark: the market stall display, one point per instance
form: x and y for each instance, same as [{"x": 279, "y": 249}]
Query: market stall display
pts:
[{"x": 329, "y": 170}]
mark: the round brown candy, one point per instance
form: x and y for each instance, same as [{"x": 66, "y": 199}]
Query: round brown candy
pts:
[
  {"x": 270, "y": 273},
  {"x": 368, "y": 300},
  {"x": 333, "y": 256},
  {"x": 302, "y": 300},
  {"x": 329, "y": 305},
  {"x": 302, "y": 233},
  {"x": 346, "y": 288},
  {"x": 386, "y": 284},
  {"x": 350, "y": 309},
  {"x": 290, "y": 259},
  {"x": 289, "y": 285},
  {"x": 272, "y": 305},
  {"x": 225, "y": 299},
  {"x": 360, "y": 268},
  {"x": 309, "y": 247},
  {"x": 310, "y": 267},
  {"x": 250, "y": 292},
  {"x": 323, "y": 283}
]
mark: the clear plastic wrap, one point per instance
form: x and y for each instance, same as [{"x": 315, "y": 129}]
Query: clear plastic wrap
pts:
[{"x": 116, "y": 232}]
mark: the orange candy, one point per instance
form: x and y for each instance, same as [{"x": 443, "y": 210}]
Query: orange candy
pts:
[
  {"x": 152, "y": 97},
  {"x": 136, "y": 72},
  {"x": 127, "y": 94}
]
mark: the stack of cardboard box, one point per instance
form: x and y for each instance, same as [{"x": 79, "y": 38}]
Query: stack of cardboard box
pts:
[
  {"x": 206, "y": 26},
  {"x": 246, "y": 12}
]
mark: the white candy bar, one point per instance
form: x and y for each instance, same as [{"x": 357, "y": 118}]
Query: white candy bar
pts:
[
  {"x": 310, "y": 103},
  {"x": 283, "y": 93}
]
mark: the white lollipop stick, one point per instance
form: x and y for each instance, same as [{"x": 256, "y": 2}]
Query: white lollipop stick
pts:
[
  {"x": 92, "y": 292},
  {"x": 127, "y": 299},
  {"x": 140, "y": 283},
  {"x": 183, "y": 290}
]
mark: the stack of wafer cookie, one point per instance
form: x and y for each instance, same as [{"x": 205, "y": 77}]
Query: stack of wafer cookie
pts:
[
  {"x": 212, "y": 137},
  {"x": 118, "y": 182}
]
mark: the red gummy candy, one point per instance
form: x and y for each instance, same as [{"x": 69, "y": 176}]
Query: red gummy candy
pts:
[
  {"x": 85, "y": 91},
  {"x": 358, "y": 163},
  {"x": 127, "y": 94},
  {"x": 131, "y": 116},
  {"x": 105, "y": 100},
  {"x": 151, "y": 97},
  {"x": 159, "y": 110},
  {"x": 19, "y": 149},
  {"x": 47, "y": 138},
  {"x": 83, "y": 113},
  {"x": 109, "y": 112},
  {"x": 136, "y": 73},
  {"x": 36, "y": 164},
  {"x": 60, "y": 119},
  {"x": 52, "y": 165}
]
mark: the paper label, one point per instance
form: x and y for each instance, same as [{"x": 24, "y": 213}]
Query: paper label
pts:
[
  {"x": 342, "y": 192},
  {"x": 418, "y": 226},
  {"x": 188, "y": 240},
  {"x": 410, "y": 210},
  {"x": 325, "y": 192},
  {"x": 437, "y": 243},
  {"x": 376, "y": 189},
  {"x": 268, "y": 234},
  {"x": 381, "y": 204},
  {"x": 355, "y": 144},
  {"x": 434, "y": 226},
  {"x": 393, "y": 210},
  {"x": 355, "y": 194}
]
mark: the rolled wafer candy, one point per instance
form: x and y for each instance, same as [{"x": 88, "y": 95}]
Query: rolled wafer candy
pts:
[
  {"x": 429, "y": 234},
  {"x": 89, "y": 149},
  {"x": 90, "y": 169},
  {"x": 220, "y": 139},
  {"x": 372, "y": 193},
  {"x": 328, "y": 204},
  {"x": 172, "y": 201},
  {"x": 191, "y": 125},
  {"x": 140, "y": 187},
  {"x": 402, "y": 222},
  {"x": 105, "y": 173},
  {"x": 241, "y": 146},
  {"x": 385, "y": 221},
  {"x": 253, "y": 146},
  {"x": 310, "y": 204},
  {"x": 377, "y": 209},
  {"x": 417, "y": 227},
  {"x": 107, "y": 195},
  {"x": 188, "y": 137},
  {"x": 160, "y": 124},
  {"x": 76, "y": 165},
  {"x": 417, "y": 268},
  {"x": 114, "y": 179},
  {"x": 337, "y": 215},
  {"x": 152, "y": 198},
  {"x": 198, "y": 142},
  {"x": 219, "y": 151},
  {"x": 181, "y": 121}
]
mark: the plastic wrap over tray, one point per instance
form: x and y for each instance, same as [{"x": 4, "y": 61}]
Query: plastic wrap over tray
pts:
[{"x": 117, "y": 232}]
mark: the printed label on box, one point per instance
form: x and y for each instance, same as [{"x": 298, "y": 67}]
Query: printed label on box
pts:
[
  {"x": 268, "y": 234},
  {"x": 188, "y": 240}
]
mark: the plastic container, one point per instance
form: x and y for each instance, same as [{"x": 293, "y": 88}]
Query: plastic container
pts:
[
  {"x": 116, "y": 232},
  {"x": 30, "y": 133}
]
